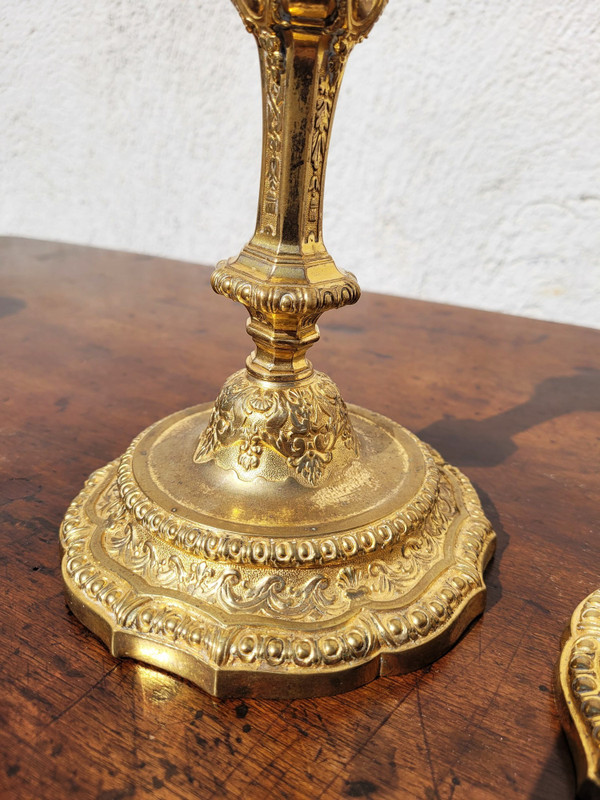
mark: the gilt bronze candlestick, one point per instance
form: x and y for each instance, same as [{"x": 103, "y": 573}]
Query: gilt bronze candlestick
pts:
[
  {"x": 577, "y": 693},
  {"x": 280, "y": 543}
]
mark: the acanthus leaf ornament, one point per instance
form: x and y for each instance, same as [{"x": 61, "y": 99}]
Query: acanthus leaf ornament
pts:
[{"x": 297, "y": 428}]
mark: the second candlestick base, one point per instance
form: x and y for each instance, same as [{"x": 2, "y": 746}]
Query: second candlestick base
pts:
[{"x": 277, "y": 589}]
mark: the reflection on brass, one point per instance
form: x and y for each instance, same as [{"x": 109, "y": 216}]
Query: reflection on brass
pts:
[
  {"x": 577, "y": 693},
  {"x": 278, "y": 542}
]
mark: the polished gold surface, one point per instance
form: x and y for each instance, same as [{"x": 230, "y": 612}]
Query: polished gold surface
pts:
[
  {"x": 279, "y": 543},
  {"x": 577, "y": 693}
]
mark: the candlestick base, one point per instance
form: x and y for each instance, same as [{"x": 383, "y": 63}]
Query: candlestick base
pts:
[
  {"x": 577, "y": 693},
  {"x": 276, "y": 589}
]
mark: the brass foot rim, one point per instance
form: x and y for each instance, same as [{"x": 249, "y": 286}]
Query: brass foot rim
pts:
[{"x": 275, "y": 685}]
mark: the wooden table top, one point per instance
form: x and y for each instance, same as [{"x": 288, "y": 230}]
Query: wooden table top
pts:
[{"x": 96, "y": 345}]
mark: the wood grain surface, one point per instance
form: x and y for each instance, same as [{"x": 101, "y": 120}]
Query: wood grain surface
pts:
[{"x": 96, "y": 345}]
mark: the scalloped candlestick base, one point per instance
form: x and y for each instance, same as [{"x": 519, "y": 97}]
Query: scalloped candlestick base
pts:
[{"x": 261, "y": 593}]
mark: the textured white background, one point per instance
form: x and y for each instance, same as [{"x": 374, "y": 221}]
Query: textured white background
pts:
[{"x": 465, "y": 161}]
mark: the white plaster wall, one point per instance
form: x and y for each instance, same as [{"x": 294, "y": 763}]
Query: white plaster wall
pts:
[{"x": 465, "y": 161}]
